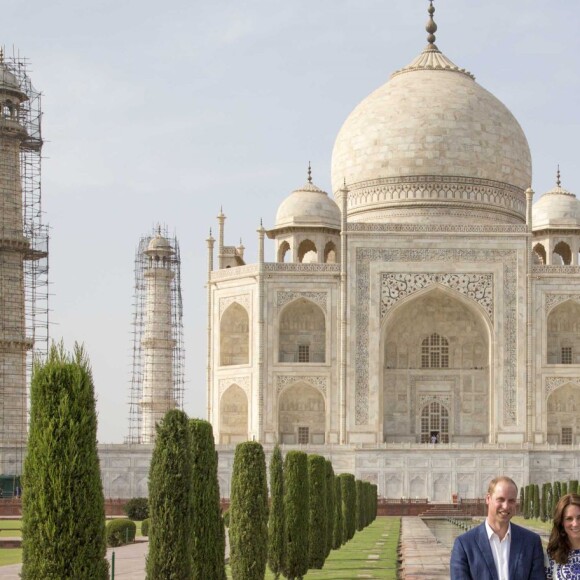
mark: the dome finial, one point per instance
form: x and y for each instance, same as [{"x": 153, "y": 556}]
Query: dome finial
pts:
[
  {"x": 431, "y": 27},
  {"x": 558, "y": 182},
  {"x": 309, "y": 173}
]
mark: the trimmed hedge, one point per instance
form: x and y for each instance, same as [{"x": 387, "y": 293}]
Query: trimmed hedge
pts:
[
  {"x": 137, "y": 508},
  {"x": 145, "y": 527},
  {"x": 120, "y": 532},
  {"x": 317, "y": 509},
  {"x": 249, "y": 513},
  {"x": 63, "y": 513},
  {"x": 337, "y": 530},
  {"x": 348, "y": 491},
  {"x": 276, "y": 525},
  {"x": 330, "y": 507}
]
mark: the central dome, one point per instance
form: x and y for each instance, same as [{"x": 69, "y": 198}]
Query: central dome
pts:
[{"x": 432, "y": 145}]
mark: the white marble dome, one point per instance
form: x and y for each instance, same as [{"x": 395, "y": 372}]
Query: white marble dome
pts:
[
  {"x": 432, "y": 144},
  {"x": 556, "y": 209},
  {"x": 308, "y": 206},
  {"x": 159, "y": 245}
]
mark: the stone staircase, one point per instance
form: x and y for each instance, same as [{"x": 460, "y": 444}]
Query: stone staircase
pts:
[{"x": 445, "y": 511}]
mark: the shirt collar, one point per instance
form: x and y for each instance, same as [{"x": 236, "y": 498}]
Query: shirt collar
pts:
[{"x": 490, "y": 532}]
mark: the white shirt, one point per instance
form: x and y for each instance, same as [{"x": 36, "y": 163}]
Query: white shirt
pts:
[{"x": 500, "y": 550}]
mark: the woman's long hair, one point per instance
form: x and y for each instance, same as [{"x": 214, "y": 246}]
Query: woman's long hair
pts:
[{"x": 559, "y": 544}]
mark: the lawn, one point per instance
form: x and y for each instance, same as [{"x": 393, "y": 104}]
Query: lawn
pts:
[
  {"x": 532, "y": 523},
  {"x": 12, "y": 528},
  {"x": 380, "y": 538}
]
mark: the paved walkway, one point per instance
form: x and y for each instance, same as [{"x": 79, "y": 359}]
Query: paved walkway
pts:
[
  {"x": 129, "y": 563},
  {"x": 422, "y": 556}
]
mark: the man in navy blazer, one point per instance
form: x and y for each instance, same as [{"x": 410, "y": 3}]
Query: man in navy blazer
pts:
[{"x": 498, "y": 549}]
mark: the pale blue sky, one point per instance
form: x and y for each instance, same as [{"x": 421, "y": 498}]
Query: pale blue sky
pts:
[{"x": 163, "y": 111}]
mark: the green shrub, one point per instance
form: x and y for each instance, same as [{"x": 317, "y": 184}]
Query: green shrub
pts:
[
  {"x": 249, "y": 513},
  {"x": 208, "y": 539},
  {"x": 556, "y": 494},
  {"x": 359, "y": 505},
  {"x": 317, "y": 511},
  {"x": 348, "y": 491},
  {"x": 573, "y": 486},
  {"x": 226, "y": 518},
  {"x": 120, "y": 532},
  {"x": 137, "y": 509},
  {"x": 337, "y": 529},
  {"x": 564, "y": 487},
  {"x": 145, "y": 527},
  {"x": 276, "y": 525},
  {"x": 171, "y": 500},
  {"x": 296, "y": 513},
  {"x": 63, "y": 514},
  {"x": 536, "y": 501},
  {"x": 330, "y": 507}
]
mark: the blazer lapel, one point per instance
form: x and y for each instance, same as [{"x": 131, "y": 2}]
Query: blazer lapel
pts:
[
  {"x": 485, "y": 548},
  {"x": 516, "y": 549}
]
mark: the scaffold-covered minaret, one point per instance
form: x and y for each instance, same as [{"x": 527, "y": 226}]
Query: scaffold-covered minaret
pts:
[
  {"x": 157, "y": 381},
  {"x": 23, "y": 259}
]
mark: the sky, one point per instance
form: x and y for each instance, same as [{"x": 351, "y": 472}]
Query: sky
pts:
[{"x": 163, "y": 112}]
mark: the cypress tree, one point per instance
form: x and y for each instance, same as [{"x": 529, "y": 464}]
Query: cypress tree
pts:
[
  {"x": 523, "y": 508},
  {"x": 337, "y": 537},
  {"x": 348, "y": 491},
  {"x": 375, "y": 501},
  {"x": 276, "y": 531},
  {"x": 359, "y": 505},
  {"x": 564, "y": 488},
  {"x": 544, "y": 503},
  {"x": 330, "y": 507},
  {"x": 556, "y": 494},
  {"x": 573, "y": 486},
  {"x": 536, "y": 501},
  {"x": 63, "y": 515},
  {"x": 317, "y": 511},
  {"x": 208, "y": 538},
  {"x": 249, "y": 513},
  {"x": 367, "y": 494},
  {"x": 171, "y": 500},
  {"x": 296, "y": 512},
  {"x": 549, "y": 498}
]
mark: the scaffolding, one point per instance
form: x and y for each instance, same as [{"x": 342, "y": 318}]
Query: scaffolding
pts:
[
  {"x": 146, "y": 305},
  {"x": 23, "y": 259}
]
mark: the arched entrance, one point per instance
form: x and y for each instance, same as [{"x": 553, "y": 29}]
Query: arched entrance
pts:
[
  {"x": 301, "y": 415},
  {"x": 233, "y": 416},
  {"x": 436, "y": 369}
]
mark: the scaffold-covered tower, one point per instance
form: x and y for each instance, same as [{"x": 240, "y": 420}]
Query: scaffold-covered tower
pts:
[
  {"x": 157, "y": 373},
  {"x": 23, "y": 260}
]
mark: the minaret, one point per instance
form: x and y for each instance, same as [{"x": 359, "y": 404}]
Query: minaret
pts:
[
  {"x": 158, "y": 343},
  {"x": 15, "y": 248}
]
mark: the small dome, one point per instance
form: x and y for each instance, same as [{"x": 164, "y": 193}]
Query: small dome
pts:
[
  {"x": 159, "y": 245},
  {"x": 9, "y": 82},
  {"x": 556, "y": 209},
  {"x": 308, "y": 206}
]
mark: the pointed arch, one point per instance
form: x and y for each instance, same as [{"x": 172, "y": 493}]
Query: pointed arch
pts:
[
  {"x": 307, "y": 252},
  {"x": 563, "y": 340},
  {"x": 330, "y": 253},
  {"x": 233, "y": 415},
  {"x": 301, "y": 415},
  {"x": 302, "y": 333},
  {"x": 563, "y": 405},
  {"x": 562, "y": 254},
  {"x": 235, "y": 336},
  {"x": 283, "y": 249},
  {"x": 539, "y": 254}
]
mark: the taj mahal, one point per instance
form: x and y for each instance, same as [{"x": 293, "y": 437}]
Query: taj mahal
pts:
[{"x": 420, "y": 325}]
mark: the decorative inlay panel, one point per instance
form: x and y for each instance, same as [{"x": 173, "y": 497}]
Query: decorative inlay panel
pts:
[
  {"x": 242, "y": 300},
  {"x": 569, "y": 270},
  {"x": 437, "y": 190},
  {"x": 283, "y": 381},
  {"x": 555, "y": 299},
  {"x": 243, "y": 382},
  {"x": 366, "y": 256},
  {"x": 443, "y": 398},
  {"x": 319, "y": 298},
  {"x": 552, "y": 383},
  {"x": 438, "y": 228},
  {"x": 395, "y": 286}
]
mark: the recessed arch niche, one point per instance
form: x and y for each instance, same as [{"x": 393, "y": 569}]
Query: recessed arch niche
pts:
[
  {"x": 563, "y": 408},
  {"x": 564, "y": 333},
  {"x": 233, "y": 415},
  {"x": 461, "y": 383},
  {"x": 234, "y": 336},
  {"x": 301, "y": 415}
]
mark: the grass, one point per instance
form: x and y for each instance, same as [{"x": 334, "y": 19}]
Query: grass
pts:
[
  {"x": 381, "y": 538},
  {"x": 12, "y": 529},
  {"x": 533, "y": 523}
]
